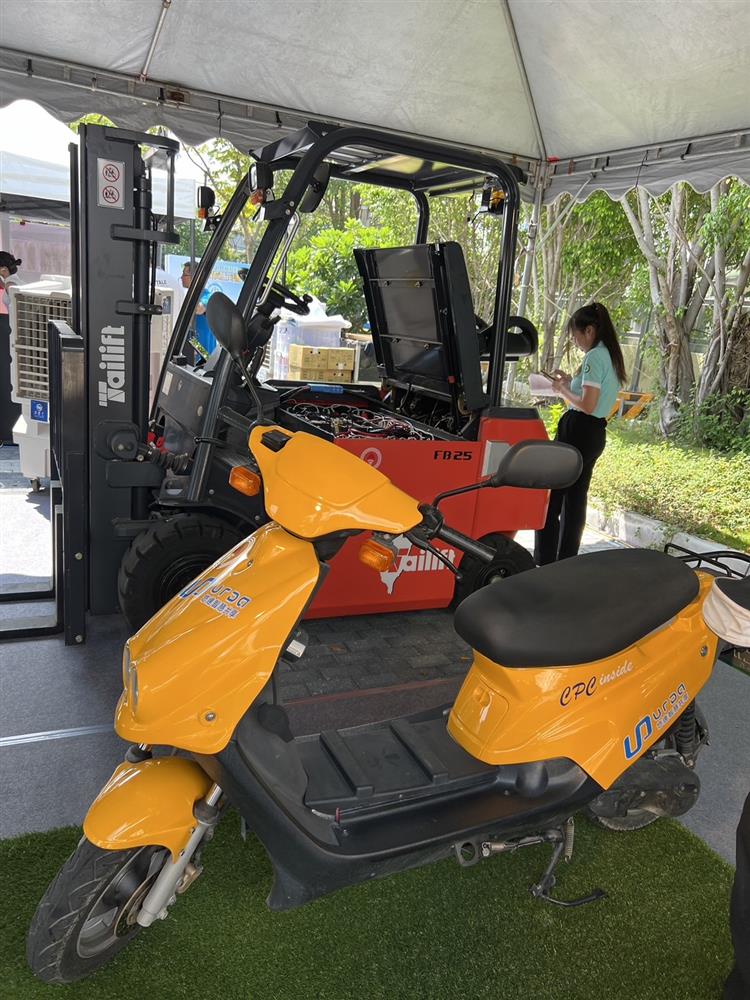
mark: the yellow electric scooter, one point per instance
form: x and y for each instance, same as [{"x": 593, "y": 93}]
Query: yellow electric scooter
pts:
[{"x": 581, "y": 694}]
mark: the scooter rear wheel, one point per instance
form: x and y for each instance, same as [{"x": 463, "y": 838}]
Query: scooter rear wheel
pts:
[
  {"x": 634, "y": 819},
  {"x": 87, "y": 915}
]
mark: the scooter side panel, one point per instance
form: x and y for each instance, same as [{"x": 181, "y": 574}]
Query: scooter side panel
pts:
[
  {"x": 603, "y": 715},
  {"x": 147, "y": 803},
  {"x": 199, "y": 663}
]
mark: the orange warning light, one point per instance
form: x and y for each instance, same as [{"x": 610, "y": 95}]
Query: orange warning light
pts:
[
  {"x": 245, "y": 481},
  {"x": 376, "y": 556}
]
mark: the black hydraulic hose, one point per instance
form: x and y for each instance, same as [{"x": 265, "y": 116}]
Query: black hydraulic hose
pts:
[{"x": 485, "y": 553}]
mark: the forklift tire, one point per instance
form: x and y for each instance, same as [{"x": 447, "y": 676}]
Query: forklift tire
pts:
[
  {"x": 165, "y": 558},
  {"x": 511, "y": 558}
]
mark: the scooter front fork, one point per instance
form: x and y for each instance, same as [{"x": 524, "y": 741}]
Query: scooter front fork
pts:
[{"x": 164, "y": 891}]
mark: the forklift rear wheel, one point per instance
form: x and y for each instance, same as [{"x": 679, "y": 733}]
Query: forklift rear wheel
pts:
[
  {"x": 511, "y": 558},
  {"x": 165, "y": 558}
]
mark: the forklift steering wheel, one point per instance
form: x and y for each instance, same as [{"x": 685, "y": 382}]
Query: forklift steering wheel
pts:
[{"x": 284, "y": 298}]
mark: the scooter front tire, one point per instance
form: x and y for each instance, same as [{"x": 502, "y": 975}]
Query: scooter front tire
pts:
[{"x": 87, "y": 915}]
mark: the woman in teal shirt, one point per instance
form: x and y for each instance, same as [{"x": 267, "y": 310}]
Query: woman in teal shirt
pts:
[{"x": 591, "y": 393}]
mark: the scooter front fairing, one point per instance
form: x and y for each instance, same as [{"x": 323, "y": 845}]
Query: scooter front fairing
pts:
[{"x": 194, "y": 669}]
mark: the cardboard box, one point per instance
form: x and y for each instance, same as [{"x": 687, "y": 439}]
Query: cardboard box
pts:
[
  {"x": 320, "y": 374},
  {"x": 341, "y": 358},
  {"x": 309, "y": 358},
  {"x": 330, "y": 358}
]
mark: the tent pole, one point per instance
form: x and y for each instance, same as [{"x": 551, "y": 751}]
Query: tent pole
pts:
[
  {"x": 165, "y": 5},
  {"x": 536, "y": 212}
]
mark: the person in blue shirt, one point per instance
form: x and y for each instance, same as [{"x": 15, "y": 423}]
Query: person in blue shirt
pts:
[{"x": 591, "y": 393}]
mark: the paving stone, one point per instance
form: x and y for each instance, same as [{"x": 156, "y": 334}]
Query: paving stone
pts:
[
  {"x": 377, "y": 680},
  {"x": 292, "y": 692},
  {"x": 336, "y": 670},
  {"x": 434, "y": 661},
  {"x": 331, "y": 686}
]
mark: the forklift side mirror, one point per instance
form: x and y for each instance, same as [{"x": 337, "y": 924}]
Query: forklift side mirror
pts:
[
  {"x": 227, "y": 324},
  {"x": 206, "y": 200},
  {"x": 539, "y": 465},
  {"x": 318, "y": 186},
  {"x": 525, "y": 342}
]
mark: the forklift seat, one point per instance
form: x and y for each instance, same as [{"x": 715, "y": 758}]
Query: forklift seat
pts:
[{"x": 422, "y": 319}]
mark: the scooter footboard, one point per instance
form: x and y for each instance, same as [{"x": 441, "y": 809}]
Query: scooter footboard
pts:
[{"x": 150, "y": 802}]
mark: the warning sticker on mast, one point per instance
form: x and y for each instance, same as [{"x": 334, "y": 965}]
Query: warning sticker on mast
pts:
[{"x": 112, "y": 364}]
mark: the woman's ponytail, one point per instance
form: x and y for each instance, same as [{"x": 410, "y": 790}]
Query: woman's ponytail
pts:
[{"x": 597, "y": 315}]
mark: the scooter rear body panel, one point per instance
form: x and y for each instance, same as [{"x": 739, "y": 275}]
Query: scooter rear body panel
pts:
[
  {"x": 603, "y": 715},
  {"x": 315, "y": 850}
]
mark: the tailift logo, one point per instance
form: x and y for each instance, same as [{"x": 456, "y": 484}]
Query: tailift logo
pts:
[
  {"x": 112, "y": 363},
  {"x": 413, "y": 560}
]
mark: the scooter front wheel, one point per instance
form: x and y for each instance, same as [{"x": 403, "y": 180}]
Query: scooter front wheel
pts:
[{"x": 88, "y": 913}]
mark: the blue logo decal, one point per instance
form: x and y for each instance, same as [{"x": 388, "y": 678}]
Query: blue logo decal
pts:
[
  {"x": 40, "y": 410},
  {"x": 643, "y": 731},
  {"x": 197, "y": 587}
]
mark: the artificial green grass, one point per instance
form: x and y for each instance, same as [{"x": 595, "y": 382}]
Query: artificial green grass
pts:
[{"x": 438, "y": 932}]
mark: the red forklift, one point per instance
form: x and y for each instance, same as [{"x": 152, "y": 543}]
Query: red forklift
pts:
[{"x": 434, "y": 424}]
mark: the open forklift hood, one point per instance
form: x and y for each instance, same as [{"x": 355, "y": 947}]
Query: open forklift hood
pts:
[{"x": 581, "y": 94}]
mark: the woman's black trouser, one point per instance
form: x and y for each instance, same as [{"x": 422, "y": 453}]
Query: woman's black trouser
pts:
[
  {"x": 738, "y": 985},
  {"x": 566, "y": 516}
]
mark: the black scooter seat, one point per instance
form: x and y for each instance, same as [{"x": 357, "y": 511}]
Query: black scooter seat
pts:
[{"x": 576, "y": 610}]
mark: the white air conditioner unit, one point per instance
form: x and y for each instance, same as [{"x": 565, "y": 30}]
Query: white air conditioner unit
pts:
[{"x": 31, "y": 308}]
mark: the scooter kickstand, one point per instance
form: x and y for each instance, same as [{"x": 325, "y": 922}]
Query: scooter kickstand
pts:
[{"x": 562, "y": 838}]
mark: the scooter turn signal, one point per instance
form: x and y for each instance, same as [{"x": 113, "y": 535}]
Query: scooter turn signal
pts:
[
  {"x": 376, "y": 556},
  {"x": 245, "y": 481}
]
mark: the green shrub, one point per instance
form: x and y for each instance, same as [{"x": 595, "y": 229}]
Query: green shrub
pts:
[
  {"x": 690, "y": 489},
  {"x": 721, "y": 422}
]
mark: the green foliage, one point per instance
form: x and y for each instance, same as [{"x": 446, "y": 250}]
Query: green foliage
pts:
[
  {"x": 694, "y": 490},
  {"x": 183, "y": 247},
  {"x": 720, "y": 422},
  {"x": 325, "y": 267},
  {"x": 551, "y": 416},
  {"x": 601, "y": 253},
  {"x": 729, "y": 224}
]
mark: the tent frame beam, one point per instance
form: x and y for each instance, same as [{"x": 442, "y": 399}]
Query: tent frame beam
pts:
[{"x": 524, "y": 78}]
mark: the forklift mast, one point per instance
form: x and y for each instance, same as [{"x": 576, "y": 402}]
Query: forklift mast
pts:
[{"x": 99, "y": 368}]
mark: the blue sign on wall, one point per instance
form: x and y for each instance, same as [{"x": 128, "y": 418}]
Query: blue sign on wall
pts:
[{"x": 40, "y": 410}]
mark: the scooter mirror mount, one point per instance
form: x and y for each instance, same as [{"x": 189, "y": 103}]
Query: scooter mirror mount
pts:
[{"x": 538, "y": 465}]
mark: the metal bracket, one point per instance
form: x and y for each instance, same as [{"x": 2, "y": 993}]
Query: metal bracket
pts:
[
  {"x": 126, "y": 307},
  {"x": 149, "y": 235}
]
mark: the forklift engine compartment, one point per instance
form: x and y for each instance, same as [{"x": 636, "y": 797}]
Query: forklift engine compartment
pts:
[{"x": 433, "y": 424}]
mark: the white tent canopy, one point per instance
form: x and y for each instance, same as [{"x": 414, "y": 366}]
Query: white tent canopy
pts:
[
  {"x": 583, "y": 94},
  {"x": 35, "y": 168}
]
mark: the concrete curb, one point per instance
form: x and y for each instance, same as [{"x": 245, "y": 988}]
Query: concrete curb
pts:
[{"x": 644, "y": 532}]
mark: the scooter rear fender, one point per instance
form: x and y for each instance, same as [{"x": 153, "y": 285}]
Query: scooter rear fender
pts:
[
  {"x": 195, "y": 668},
  {"x": 147, "y": 803}
]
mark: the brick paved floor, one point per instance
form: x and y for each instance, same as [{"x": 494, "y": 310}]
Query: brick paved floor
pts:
[{"x": 373, "y": 651}]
